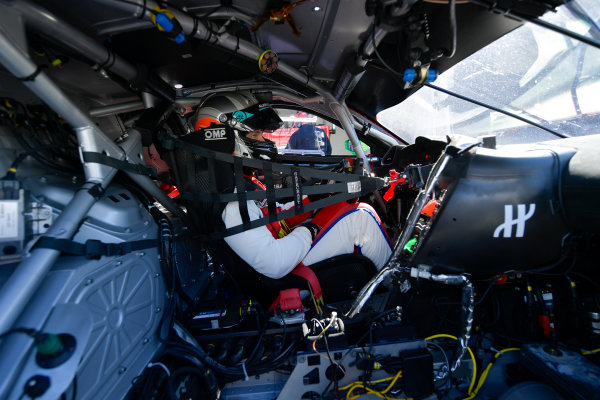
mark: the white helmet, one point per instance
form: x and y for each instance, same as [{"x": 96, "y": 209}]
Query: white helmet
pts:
[{"x": 241, "y": 111}]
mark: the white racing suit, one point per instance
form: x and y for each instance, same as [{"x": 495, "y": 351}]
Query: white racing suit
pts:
[{"x": 274, "y": 250}]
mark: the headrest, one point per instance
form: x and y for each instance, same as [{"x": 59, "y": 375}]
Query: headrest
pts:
[{"x": 216, "y": 137}]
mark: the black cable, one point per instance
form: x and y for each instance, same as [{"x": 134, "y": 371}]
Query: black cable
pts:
[
  {"x": 492, "y": 283},
  {"x": 390, "y": 69},
  {"x": 453, "y": 29},
  {"x": 259, "y": 313},
  {"x": 488, "y": 106},
  {"x": 232, "y": 372},
  {"x": 51, "y": 143},
  {"x": 565, "y": 272},
  {"x": 27, "y": 331},
  {"x": 587, "y": 278}
]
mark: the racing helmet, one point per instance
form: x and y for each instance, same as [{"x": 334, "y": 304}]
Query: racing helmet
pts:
[{"x": 242, "y": 111}]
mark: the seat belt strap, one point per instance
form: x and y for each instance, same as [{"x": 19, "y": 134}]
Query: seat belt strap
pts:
[{"x": 305, "y": 272}]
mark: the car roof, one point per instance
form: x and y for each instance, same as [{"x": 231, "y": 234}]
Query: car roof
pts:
[{"x": 334, "y": 37}]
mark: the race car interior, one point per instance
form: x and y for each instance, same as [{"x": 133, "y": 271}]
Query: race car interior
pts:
[{"x": 116, "y": 281}]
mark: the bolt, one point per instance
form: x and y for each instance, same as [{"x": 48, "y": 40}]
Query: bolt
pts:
[
  {"x": 156, "y": 275},
  {"x": 145, "y": 236},
  {"x": 88, "y": 281},
  {"x": 74, "y": 179},
  {"x": 122, "y": 370},
  {"x": 140, "y": 254},
  {"x": 301, "y": 359},
  {"x": 145, "y": 341},
  {"x": 157, "y": 310},
  {"x": 146, "y": 223},
  {"x": 127, "y": 230},
  {"x": 43, "y": 179},
  {"x": 118, "y": 263}
]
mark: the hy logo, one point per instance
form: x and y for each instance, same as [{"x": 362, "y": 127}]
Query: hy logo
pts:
[
  {"x": 509, "y": 221},
  {"x": 214, "y": 134}
]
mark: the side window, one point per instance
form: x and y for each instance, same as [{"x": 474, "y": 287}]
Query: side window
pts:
[{"x": 307, "y": 134}]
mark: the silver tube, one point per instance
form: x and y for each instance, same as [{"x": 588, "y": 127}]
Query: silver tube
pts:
[
  {"x": 45, "y": 22},
  {"x": 149, "y": 186},
  {"x": 368, "y": 290},
  {"x": 21, "y": 66},
  {"x": 22, "y": 284},
  {"x": 117, "y": 108},
  {"x": 369, "y": 46},
  {"x": 420, "y": 201},
  {"x": 392, "y": 264},
  {"x": 242, "y": 47},
  {"x": 228, "y": 12},
  {"x": 249, "y": 50},
  {"x": 346, "y": 119},
  {"x": 24, "y": 281}
]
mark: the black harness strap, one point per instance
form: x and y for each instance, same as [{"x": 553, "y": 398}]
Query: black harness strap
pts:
[
  {"x": 241, "y": 193},
  {"x": 337, "y": 198},
  {"x": 93, "y": 249},
  {"x": 99, "y": 158},
  {"x": 212, "y": 183},
  {"x": 271, "y": 199}
]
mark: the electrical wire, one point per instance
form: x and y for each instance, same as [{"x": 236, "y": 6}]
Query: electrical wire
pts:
[
  {"x": 445, "y": 357},
  {"x": 453, "y": 28},
  {"x": 474, "y": 376},
  {"x": 386, "y": 65},
  {"x": 485, "y": 372},
  {"x": 364, "y": 385}
]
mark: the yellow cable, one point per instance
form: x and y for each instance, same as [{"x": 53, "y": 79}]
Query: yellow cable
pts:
[
  {"x": 485, "y": 372},
  {"x": 389, "y": 378},
  {"x": 445, "y": 335},
  {"x": 587, "y": 353},
  {"x": 371, "y": 391},
  {"x": 358, "y": 384}
]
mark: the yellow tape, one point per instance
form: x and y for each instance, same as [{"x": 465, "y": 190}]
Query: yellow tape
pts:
[{"x": 261, "y": 57}]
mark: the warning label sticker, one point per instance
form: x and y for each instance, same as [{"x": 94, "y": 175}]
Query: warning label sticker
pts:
[{"x": 9, "y": 219}]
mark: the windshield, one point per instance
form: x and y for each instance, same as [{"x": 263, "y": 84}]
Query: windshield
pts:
[{"x": 532, "y": 72}]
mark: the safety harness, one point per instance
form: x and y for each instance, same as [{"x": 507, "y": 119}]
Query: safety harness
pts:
[{"x": 341, "y": 186}]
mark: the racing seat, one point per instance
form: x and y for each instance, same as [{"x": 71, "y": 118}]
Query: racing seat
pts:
[{"x": 341, "y": 277}]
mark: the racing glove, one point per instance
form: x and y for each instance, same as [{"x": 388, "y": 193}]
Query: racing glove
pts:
[{"x": 313, "y": 228}]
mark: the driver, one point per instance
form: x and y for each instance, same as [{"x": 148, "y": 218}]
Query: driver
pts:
[{"x": 276, "y": 249}]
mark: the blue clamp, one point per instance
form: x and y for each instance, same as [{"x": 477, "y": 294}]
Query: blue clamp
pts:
[
  {"x": 409, "y": 75},
  {"x": 171, "y": 27}
]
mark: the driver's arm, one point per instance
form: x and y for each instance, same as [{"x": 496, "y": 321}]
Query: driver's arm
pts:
[{"x": 272, "y": 257}]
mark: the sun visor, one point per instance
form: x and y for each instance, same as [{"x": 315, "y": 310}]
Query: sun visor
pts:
[
  {"x": 259, "y": 116},
  {"x": 216, "y": 137}
]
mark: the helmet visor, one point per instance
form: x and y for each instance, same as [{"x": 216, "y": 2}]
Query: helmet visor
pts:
[{"x": 258, "y": 116}]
